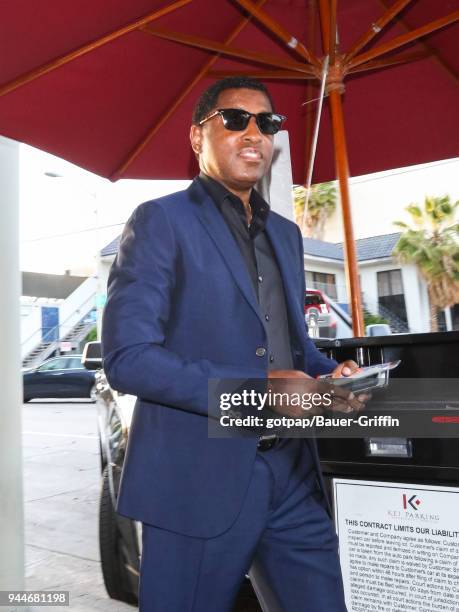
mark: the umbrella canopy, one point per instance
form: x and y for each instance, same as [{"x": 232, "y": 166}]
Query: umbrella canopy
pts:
[{"x": 111, "y": 86}]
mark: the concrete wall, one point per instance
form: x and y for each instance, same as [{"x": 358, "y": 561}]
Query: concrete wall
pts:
[
  {"x": 416, "y": 299},
  {"x": 11, "y": 496}
]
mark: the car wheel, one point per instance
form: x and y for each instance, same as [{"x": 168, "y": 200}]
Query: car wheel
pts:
[
  {"x": 103, "y": 459},
  {"x": 114, "y": 571},
  {"x": 93, "y": 393}
]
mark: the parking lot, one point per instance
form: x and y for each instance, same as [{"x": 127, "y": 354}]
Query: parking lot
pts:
[{"x": 61, "y": 489}]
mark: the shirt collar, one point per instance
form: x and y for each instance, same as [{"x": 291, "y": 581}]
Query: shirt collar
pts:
[{"x": 220, "y": 194}]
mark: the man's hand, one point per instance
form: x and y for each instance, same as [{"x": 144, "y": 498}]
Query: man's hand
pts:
[
  {"x": 346, "y": 368},
  {"x": 296, "y": 382}
]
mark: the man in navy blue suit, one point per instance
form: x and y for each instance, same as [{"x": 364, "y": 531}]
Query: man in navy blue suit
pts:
[{"x": 209, "y": 284}]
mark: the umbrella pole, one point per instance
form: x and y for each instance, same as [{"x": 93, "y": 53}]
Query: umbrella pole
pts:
[{"x": 342, "y": 169}]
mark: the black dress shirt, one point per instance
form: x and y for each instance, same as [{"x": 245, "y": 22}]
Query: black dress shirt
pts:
[{"x": 262, "y": 266}]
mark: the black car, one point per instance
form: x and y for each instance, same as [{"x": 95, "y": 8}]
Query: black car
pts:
[
  {"x": 120, "y": 539},
  {"x": 59, "y": 377}
]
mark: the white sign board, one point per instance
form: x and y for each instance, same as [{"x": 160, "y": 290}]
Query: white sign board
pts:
[
  {"x": 399, "y": 545},
  {"x": 277, "y": 186}
]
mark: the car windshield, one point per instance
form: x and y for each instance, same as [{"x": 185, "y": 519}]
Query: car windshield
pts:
[
  {"x": 55, "y": 364},
  {"x": 313, "y": 300},
  {"x": 62, "y": 363},
  {"x": 75, "y": 362}
]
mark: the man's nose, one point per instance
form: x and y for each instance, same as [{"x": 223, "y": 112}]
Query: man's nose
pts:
[{"x": 252, "y": 131}]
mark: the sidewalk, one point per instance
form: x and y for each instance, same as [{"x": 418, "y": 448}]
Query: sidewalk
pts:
[{"x": 61, "y": 490}]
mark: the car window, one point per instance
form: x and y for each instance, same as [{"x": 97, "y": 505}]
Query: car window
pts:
[
  {"x": 54, "y": 364},
  {"x": 75, "y": 362},
  {"x": 313, "y": 300}
]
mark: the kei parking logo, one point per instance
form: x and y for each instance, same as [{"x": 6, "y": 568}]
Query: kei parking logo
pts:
[{"x": 412, "y": 501}]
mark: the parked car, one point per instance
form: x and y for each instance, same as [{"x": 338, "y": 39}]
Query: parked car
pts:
[
  {"x": 59, "y": 377},
  {"x": 120, "y": 539},
  {"x": 317, "y": 314}
]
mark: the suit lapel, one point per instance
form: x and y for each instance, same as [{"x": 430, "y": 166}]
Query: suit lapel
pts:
[{"x": 216, "y": 227}]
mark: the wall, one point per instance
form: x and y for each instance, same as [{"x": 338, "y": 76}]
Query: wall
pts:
[
  {"x": 414, "y": 289},
  {"x": 380, "y": 199},
  {"x": 71, "y": 311},
  {"x": 314, "y": 264},
  {"x": 416, "y": 299},
  {"x": 11, "y": 495}
]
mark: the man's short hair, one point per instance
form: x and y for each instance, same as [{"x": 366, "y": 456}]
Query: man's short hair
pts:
[{"x": 208, "y": 99}]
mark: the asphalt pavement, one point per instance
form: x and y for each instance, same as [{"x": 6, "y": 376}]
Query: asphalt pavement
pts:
[{"x": 61, "y": 491}]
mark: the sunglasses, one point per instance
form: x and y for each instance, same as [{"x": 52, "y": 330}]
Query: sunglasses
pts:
[{"x": 236, "y": 120}]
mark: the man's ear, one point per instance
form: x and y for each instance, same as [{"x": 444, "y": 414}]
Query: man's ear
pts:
[{"x": 196, "y": 139}]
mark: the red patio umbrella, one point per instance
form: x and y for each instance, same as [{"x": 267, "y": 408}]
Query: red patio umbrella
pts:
[{"x": 110, "y": 86}]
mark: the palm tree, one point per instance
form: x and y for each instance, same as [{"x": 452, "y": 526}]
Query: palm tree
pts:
[
  {"x": 431, "y": 242},
  {"x": 321, "y": 205}
]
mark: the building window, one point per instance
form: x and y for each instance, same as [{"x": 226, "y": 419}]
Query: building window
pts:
[
  {"x": 322, "y": 281},
  {"x": 391, "y": 298},
  {"x": 455, "y": 316}
]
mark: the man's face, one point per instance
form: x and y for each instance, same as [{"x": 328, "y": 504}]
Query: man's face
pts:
[{"x": 236, "y": 159}]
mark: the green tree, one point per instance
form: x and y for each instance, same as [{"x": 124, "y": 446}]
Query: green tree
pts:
[
  {"x": 431, "y": 242},
  {"x": 92, "y": 335},
  {"x": 321, "y": 205},
  {"x": 370, "y": 319}
]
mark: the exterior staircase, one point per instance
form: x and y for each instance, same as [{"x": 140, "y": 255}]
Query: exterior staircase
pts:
[
  {"x": 77, "y": 316},
  {"x": 397, "y": 325},
  {"x": 43, "y": 350}
]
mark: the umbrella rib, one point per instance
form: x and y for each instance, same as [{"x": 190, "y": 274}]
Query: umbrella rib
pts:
[
  {"x": 404, "y": 39},
  {"x": 451, "y": 72},
  {"x": 275, "y": 28},
  {"x": 211, "y": 45},
  {"x": 324, "y": 13},
  {"x": 376, "y": 28},
  {"x": 402, "y": 58},
  {"x": 308, "y": 118},
  {"x": 261, "y": 74},
  {"x": 143, "y": 143},
  {"x": 332, "y": 32},
  {"x": 65, "y": 59}
]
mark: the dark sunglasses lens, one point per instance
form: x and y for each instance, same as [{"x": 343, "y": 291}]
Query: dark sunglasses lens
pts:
[
  {"x": 235, "y": 119},
  {"x": 269, "y": 123}
]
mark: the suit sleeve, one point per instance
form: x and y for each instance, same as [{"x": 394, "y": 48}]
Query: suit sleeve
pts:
[
  {"x": 140, "y": 293},
  {"x": 316, "y": 363}
]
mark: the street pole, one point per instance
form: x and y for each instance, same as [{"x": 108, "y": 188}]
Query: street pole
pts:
[{"x": 11, "y": 495}]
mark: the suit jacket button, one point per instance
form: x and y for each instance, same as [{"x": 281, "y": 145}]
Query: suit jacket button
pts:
[{"x": 260, "y": 352}]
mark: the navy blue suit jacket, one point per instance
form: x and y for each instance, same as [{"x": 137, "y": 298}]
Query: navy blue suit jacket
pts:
[{"x": 181, "y": 309}]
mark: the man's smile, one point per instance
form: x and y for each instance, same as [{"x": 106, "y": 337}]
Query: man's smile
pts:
[{"x": 250, "y": 154}]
